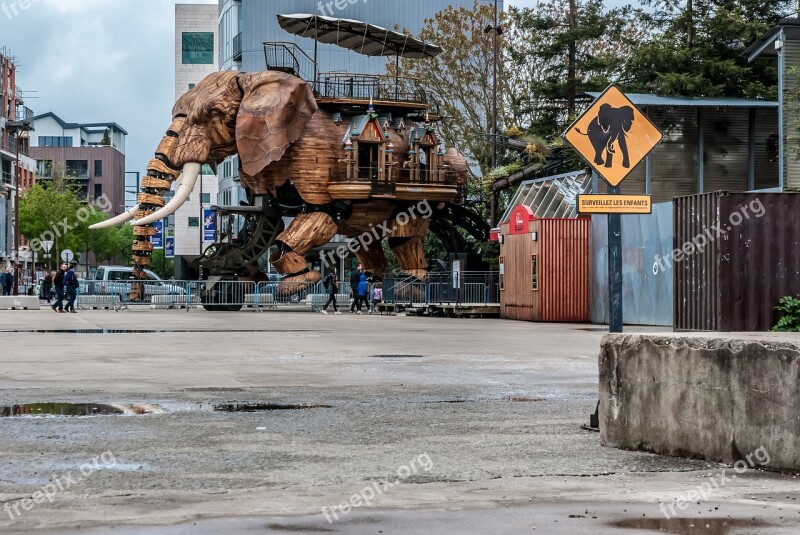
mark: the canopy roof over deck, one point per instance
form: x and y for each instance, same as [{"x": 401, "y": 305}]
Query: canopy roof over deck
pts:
[{"x": 360, "y": 37}]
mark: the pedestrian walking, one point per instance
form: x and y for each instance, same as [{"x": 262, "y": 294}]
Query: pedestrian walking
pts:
[
  {"x": 332, "y": 285},
  {"x": 355, "y": 278},
  {"x": 71, "y": 288},
  {"x": 7, "y": 281},
  {"x": 47, "y": 287},
  {"x": 58, "y": 284},
  {"x": 363, "y": 292},
  {"x": 377, "y": 296}
]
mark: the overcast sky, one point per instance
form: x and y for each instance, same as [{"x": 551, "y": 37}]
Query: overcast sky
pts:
[{"x": 101, "y": 61}]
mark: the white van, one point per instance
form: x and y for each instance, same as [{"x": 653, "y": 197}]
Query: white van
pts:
[{"x": 116, "y": 280}]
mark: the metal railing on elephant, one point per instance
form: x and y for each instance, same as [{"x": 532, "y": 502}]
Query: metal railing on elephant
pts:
[{"x": 439, "y": 288}]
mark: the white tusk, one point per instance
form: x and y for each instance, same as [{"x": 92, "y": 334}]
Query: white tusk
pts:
[
  {"x": 117, "y": 220},
  {"x": 190, "y": 173}
]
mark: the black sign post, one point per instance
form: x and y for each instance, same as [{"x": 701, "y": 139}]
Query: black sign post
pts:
[{"x": 614, "y": 268}]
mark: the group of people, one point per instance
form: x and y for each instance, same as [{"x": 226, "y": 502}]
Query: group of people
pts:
[
  {"x": 362, "y": 288},
  {"x": 65, "y": 285}
]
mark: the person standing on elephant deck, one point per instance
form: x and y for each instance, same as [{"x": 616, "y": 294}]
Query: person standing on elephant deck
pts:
[
  {"x": 332, "y": 286},
  {"x": 355, "y": 278},
  {"x": 58, "y": 284}
]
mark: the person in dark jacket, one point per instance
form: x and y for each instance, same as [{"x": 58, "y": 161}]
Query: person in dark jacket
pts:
[
  {"x": 7, "y": 281},
  {"x": 332, "y": 286},
  {"x": 58, "y": 284},
  {"x": 71, "y": 288},
  {"x": 47, "y": 287},
  {"x": 355, "y": 278},
  {"x": 363, "y": 290}
]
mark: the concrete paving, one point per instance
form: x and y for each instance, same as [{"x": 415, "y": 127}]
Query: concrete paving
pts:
[{"x": 457, "y": 426}]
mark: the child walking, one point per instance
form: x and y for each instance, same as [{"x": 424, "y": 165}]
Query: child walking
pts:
[{"x": 377, "y": 296}]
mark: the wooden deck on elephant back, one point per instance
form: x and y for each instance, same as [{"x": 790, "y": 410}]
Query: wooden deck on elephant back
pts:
[{"x": 323, "y": 168}]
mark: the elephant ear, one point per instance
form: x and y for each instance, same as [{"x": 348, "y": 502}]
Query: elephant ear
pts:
[{"x": 274, "y": 111}]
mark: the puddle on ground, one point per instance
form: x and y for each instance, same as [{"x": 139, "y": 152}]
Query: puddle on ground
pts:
[
  {"x": 259, "y": 407},
  {"x": 150, "y": 331},
  {"x": 77, "y": 409},
  {"x": 686, "y": 526},
  {"x": 396, "y": 356}
]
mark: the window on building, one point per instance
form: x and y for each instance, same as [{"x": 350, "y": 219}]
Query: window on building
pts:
[
  {"x": 206, "y": 198},
  {"x": 98, "y": 168},
  {"x": 98, "y": 191},
  {"x": 198, "y": 48},
  {"x": 194, "y": 222},
  {"x": 44, "y": 168},
  {"x": 207, "y": 170},
  {"x": 191, "y": 86},
  {"x": 55, "y": 141},
  {"x": 77, "y": 168}
]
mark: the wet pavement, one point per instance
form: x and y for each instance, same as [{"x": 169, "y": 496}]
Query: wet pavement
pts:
[{"x": 457, "y": 426}]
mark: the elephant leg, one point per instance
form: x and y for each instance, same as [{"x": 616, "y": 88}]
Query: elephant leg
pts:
[
  {"x": 303, "y": 234},
  {"x": 373, "y": 259},
  {"x": 406, "y": 244},
  {"x": 623, "y": 148},
  {"x": 599, "y": 147}
]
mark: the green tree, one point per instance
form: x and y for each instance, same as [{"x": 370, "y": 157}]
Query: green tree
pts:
[
  {"x": 559, "y": 50},
  {"x": 161, "y": 265},
  {"x": 696, "y": 49},
  {"x": 54, "y": 213},
  {"x": 461, "y": 77}
]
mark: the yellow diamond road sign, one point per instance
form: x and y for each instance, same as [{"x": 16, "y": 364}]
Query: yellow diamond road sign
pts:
[{"x": 613, "y": 135}]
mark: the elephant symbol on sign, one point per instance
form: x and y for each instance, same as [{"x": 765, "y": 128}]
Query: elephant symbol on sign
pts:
[{"x": 610, "y": 127}]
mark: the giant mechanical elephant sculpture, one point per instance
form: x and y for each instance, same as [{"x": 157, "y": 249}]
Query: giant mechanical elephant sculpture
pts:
[
  {"x": 610, "y": 127},
  {"x": 288, "y": 150}
]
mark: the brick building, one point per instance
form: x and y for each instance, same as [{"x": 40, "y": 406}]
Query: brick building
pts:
[
  {"x": 90, "y": 155},
  {"x": 15, "y": 123}
]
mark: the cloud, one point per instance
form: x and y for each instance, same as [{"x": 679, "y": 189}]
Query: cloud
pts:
[{"x": 99, "y": 61}]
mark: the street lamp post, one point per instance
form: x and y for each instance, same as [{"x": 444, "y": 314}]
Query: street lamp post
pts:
[
  {"x": 496, "y": 30},
  {"x": 16, "y": 213}
]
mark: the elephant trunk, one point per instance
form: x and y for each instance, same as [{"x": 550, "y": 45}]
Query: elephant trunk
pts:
[{"x": 158, "y": 180}]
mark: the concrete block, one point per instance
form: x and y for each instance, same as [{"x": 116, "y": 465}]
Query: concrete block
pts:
[
  {"x": 98, "y": 301},
  {"x": 168, "y": 301},
  {"x": 19, "y": 302},
  {"x": 711, "y": 398}
]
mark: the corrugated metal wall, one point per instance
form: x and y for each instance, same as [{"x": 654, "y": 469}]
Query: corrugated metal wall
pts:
[
  {"x": 752, "y": 259},
  {"x": 696, "y": 270},
  {"x": 791, "y": 56},
  {"x": 646, "y": 278},
  {"x": 564, "y": 265},
  {"x": 726, "y": 142}
]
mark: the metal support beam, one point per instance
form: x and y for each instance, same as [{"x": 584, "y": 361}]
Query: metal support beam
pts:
[
  {"x": 751, "y": 149},
  {"x": 595, "y": 182},
  {"x": 648, "y": 174},
  {"x": 781, "y": 130},
  {"x": 701, "y": 161}
]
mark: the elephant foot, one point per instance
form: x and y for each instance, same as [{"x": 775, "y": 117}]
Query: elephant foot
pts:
[{"x": 297, "y": 284}]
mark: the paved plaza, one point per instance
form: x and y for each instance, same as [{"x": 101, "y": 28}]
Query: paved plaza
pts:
[{"x": 422, "y": 425}]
